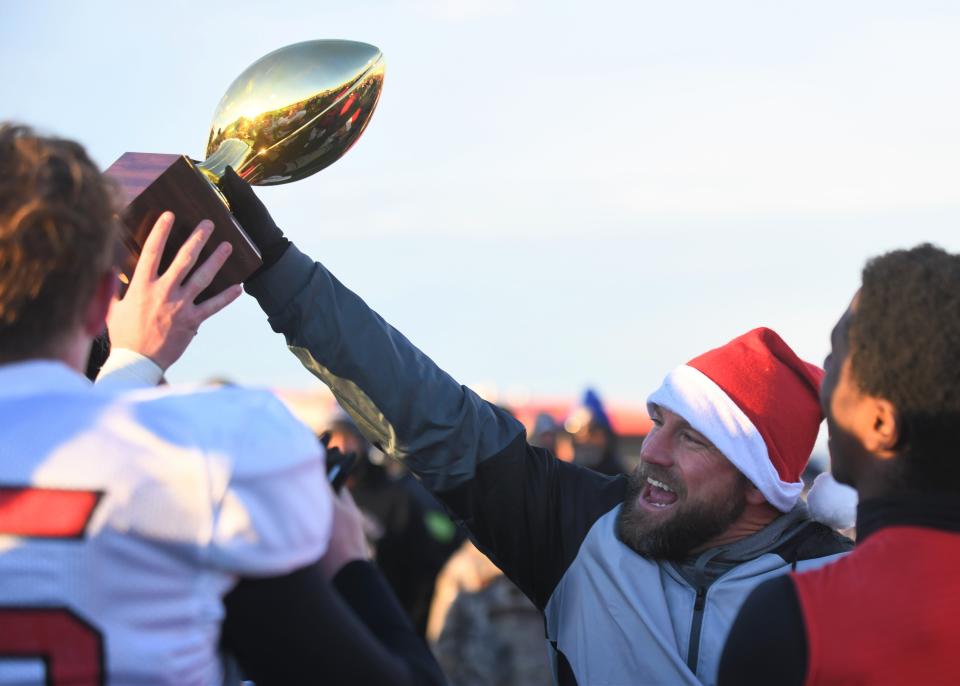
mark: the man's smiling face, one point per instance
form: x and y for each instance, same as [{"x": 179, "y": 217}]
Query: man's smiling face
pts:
[{"x": 683, "y": 494}]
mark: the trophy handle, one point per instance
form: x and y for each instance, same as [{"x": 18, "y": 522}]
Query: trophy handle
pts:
[{"x": 231, "y": 153}]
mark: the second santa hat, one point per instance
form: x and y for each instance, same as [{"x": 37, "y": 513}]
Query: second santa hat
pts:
[{"x": 758, "y": 403}]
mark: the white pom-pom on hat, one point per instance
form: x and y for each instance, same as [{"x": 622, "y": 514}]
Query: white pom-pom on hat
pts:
[{"x": 832, "y": 503}]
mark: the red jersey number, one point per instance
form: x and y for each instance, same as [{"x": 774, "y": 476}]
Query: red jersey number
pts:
[{"x": 71, "y": 649}]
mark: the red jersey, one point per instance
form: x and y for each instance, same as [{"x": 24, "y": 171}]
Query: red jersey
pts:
[{"x": 888, "y": 613}]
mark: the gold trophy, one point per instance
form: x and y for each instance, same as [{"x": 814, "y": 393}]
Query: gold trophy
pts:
[{"x": 287, "y": 116}]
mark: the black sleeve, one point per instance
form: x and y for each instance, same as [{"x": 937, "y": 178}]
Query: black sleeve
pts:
[
  {"x": 300, "y": 629},
  {"x": 529, "y": 512},
  {"x": 768, "y": 643}
]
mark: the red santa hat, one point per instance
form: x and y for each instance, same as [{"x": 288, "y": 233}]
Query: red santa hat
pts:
[{"x": 758, "y": 403}]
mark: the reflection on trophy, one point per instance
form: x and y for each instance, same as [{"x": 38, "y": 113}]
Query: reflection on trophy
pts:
[{"x": 287, "y": 116}]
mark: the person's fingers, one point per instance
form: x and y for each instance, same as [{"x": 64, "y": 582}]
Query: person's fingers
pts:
[
  {"x": 152, "y": 251},
  {"x": 204, "y": 274},
  {"x": 188, "y": 253},
  {"x": 210, "y": 307}
]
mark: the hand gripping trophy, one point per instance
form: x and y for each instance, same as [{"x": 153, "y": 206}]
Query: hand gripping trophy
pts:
[{"x": 287, "y": 116}]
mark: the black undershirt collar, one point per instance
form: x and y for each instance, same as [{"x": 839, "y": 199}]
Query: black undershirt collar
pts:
[{"x": 930, "y": 510}]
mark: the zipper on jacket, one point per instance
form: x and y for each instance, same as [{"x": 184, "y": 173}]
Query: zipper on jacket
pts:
[{"x": 694, "y": 649}]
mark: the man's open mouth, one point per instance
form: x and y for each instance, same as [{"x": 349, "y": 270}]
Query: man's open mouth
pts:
[{"x": 657, "y": 495}]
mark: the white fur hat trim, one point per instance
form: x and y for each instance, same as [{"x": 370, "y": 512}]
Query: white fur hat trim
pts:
[{"x": 832, "y": 503}]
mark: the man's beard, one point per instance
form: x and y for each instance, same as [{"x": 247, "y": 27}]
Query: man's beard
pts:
[{"x": 692, "y": 525}]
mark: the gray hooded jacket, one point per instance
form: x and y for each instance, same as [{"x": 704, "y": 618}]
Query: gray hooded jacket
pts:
[{"x": 612, "y": 616}]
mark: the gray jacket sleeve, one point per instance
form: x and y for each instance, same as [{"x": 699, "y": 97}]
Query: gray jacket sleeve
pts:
[
  {"x": 406, "y": 405},
  {"x": 527, "y": 510}
]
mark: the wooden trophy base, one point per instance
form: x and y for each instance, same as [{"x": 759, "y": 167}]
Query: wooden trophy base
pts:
[{"x": 151, "y": 184}]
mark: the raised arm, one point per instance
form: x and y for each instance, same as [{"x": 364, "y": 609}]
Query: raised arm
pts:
[
  {"x": 406, "y": 405},
  {"x": 403, "y": 402},
  {"x": 526, "y": 509}
]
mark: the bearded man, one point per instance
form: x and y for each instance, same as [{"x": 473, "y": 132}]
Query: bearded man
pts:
[{"x": 639, "y": 577}]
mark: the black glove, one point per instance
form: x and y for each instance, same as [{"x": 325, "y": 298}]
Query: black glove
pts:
[{"x": 254, "y": 219}]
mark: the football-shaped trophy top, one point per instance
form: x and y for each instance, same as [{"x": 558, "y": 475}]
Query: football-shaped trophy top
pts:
[
  {"x": 287, "y": 116},
  {"x": 295, "y": 111}
]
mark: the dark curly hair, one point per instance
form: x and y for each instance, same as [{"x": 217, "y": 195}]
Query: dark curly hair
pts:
[
  {"x": 57, "y": 233},
  {"x": 905, "y": 347}
]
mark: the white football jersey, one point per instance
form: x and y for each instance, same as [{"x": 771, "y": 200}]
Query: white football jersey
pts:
[{"x": 125, "y": 517}]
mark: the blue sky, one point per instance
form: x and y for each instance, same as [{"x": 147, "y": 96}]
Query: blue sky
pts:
[{"x": 551, "y": 194}]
